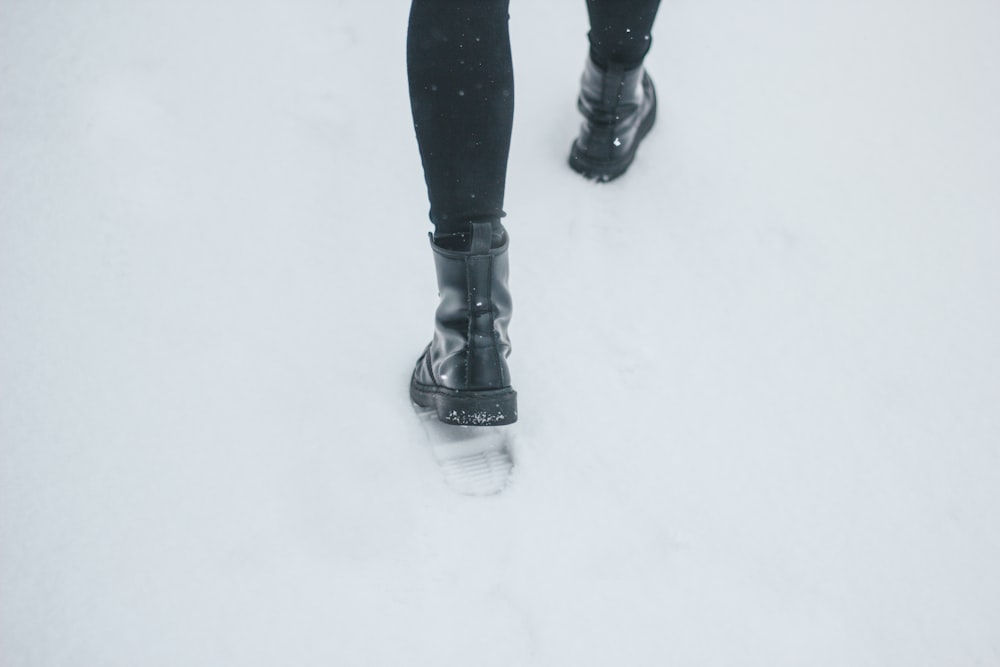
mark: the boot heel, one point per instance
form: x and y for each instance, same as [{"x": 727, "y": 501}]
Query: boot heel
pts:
[
  {"x": 488, "y": 408},
  {"x": 495, "y": 407}
]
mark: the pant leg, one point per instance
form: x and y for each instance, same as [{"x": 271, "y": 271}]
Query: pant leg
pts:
[
  {"x": 620, "y": 30},
  {"x": 462, "y": 97}
]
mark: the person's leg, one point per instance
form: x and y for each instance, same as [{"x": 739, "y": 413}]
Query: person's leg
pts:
[
  {"x": 462, "y": 97},
  {"x": 620, "y": 30},
  {"x": 617, "y": 98}
]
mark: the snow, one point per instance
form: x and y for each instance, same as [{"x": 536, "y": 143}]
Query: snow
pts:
[{"x": 757, "y": 375}]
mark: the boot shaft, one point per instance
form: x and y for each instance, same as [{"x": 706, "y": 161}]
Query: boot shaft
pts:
[
  {"x": 609, "y": 94},
  {"x": 471, "y": 345}
]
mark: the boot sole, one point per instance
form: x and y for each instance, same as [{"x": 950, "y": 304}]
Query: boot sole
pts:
[
  {"x": 493, "y": 407},
  {"x": 603, "y": 171}
]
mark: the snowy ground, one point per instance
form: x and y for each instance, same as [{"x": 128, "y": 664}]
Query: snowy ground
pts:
[{"x": 758, "y": 376}]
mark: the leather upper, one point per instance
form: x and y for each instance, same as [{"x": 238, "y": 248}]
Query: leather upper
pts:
[
  {"x": 613, "y": 102},
  {"x": 470, "y": 346}
]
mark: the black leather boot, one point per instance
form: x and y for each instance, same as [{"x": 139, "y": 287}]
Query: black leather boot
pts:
[
  {"x": 619, "y": 108},
  {"x": 463, "y": 373}
]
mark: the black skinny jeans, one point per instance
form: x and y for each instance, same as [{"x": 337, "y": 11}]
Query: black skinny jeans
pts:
[{"x": 462, "y": 95}]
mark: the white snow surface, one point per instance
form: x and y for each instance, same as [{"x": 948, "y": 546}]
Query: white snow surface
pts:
[{"x": 758, "y": 375}]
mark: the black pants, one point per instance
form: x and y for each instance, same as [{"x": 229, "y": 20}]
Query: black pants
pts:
[{"x": 462, "y": 95}]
